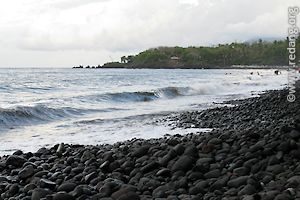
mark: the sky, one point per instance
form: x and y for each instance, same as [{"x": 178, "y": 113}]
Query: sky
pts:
[{"x": 66, "y": 33}]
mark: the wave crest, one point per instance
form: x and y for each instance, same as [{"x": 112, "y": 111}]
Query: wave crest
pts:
[{"x": 27, "y": 115}]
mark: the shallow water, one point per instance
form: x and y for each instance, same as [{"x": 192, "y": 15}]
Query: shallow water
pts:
[{"x": 42, "y": 107}]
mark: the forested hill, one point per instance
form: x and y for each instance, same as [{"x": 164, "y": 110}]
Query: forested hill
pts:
[{"x": 259, "y": 53}]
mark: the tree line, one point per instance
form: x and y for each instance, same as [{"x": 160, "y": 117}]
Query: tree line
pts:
[{"x": 261, "y": 53}]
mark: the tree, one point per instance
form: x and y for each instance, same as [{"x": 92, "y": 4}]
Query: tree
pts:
[{"x": 123, "y": 59}]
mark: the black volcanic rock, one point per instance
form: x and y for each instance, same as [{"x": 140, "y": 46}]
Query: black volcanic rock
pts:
[
  {"x": 16, "y": 161},
  {"x": 26, "y": 172},
  {"x": 253, "y": 152},
  {"x": 183, "y": 163}
]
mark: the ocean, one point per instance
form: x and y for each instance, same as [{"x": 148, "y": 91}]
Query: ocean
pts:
[{"x": 43, "y": 107}]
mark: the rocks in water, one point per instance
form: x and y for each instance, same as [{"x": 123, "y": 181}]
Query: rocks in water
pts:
[
  {"x": 252, "y": 153},
  {"x": 60, "y": 149}
]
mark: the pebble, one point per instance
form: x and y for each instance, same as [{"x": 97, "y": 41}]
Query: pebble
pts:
[{"x": 252, "y": 153}]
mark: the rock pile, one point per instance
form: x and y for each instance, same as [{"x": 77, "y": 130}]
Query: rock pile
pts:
[{"x": 252, "y": 153}]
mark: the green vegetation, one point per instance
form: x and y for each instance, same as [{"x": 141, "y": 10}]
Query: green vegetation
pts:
[{"x": 224, "y": 55}]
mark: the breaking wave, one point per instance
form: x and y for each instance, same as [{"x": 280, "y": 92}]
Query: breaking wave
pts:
[
  {"x": 23, "y": 115},
  {"x": 145, "y": 96}
]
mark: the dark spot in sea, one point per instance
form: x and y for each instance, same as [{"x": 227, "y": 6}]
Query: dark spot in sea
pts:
[{"x": 35, "y": 136}]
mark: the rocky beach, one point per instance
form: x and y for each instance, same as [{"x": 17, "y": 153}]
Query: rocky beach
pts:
[{"x": 252, "y": 153}]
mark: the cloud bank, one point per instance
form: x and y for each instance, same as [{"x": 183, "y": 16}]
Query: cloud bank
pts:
[{"x": 62, "y": 33}]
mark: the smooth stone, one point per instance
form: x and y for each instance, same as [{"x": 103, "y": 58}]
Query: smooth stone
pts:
[
  {"x": 195, "y": 176},
  {"x": 207, "y": 148},
  {"x": 294, "y": 134},
  {"x": 169, "y": 156},
  {"x": 28, "y": 171},
  {"x": 294, "y": 180},
  {"x": 39, "y": 193},
  {"x": 237, "y": 182},
  {"x": 283, "y": 197},
  {"x": 43, "y": 151},
  {"x": 125, "y": 194},
  {"x": 44, "y": 183},
  {"x": 182, "y": 164},
  {"x": 29, "y": 187},
  {"x": 14, "y": 189},
  {"x": 284, "y": 146},
  {"x": 204, "y": 161},
  {"x": 3, "y": 179},
  {"x": 90, "y": 177},
  {"x": 179, "y": 149},
  {"x": 67, "y": 187},
  {"x": 141, "y": 151},
  {"x": 247, "y": 190},
  {"x": 63, "y": 196},
  {"x": 41, "y": 173},
  {"x": 213, "y": 174},
  {"x": 241, "y": 171},
  {"x": 191, "y": 150},
  {"x": 67, "y": 170},
  {"x": 60, "y": 149},
  {"x": 15, "y": 161},
  {"x": 258, "y": 146},
  {"x": 161, "y": 191},
  {"x": 149, "y": 167},
  {"x": 18, "y": 153},
  {"x": 215, "y": 141},
  {"x": 220, "y": 183},
  {"x": 165, "y": 172},
  {"x": 276, "y": 169},
  {"x": 199, "y": 188},
  {"x": 173, "y": 142},
  {"x": 171, "y": 197},
  {"x": 270, "y": 195},
  {"x": 87, "y": 155}
]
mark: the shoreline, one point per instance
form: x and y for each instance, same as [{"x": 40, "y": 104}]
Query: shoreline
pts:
[
  {"x": 253, "y": 152},
  {"x": 200, "y": 68}
]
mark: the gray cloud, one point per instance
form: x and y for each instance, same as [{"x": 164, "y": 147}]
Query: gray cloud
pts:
[{"x": 115, "y": 27}]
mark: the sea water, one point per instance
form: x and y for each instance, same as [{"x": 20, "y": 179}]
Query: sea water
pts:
[{"x": 43, "y": 107}]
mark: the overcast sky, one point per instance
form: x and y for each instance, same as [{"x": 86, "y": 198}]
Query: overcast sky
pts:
[{"x": 64, "y": 33}]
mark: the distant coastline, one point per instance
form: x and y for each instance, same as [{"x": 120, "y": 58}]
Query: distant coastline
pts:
[
  {"x": 164, "y": 67},
  {"x": 258, "y": 55}
]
